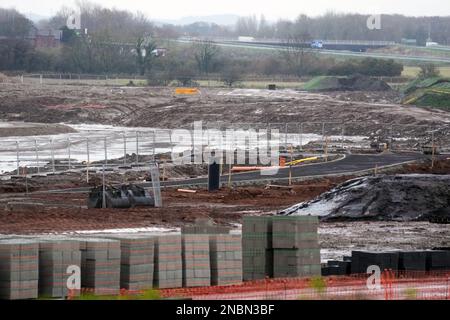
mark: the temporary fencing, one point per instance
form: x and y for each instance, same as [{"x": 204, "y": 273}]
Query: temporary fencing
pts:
[{"x": 394, "y": 285}]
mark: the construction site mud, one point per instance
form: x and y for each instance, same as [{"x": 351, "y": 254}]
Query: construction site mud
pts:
[{"x": 160, "y": 108}]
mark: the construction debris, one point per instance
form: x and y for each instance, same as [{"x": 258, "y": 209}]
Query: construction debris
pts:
[
  {"x": 125, "y": 196},
  {"x": 186, "y": 191}
]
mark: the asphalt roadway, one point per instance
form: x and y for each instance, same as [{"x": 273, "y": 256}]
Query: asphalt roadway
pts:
[{"x": 350, "y": 164}]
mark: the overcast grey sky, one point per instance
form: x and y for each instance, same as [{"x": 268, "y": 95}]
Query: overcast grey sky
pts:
[{"x": 272, "y": 9}]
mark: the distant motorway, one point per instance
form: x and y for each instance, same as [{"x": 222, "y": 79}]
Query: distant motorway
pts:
[{"x": 342, "y": 52}]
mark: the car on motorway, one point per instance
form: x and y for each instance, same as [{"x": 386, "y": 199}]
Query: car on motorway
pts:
[{"x": 317, "y": 44}]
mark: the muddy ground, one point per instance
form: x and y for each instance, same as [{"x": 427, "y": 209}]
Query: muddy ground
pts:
[
  {"x": 56, "y": 213},
  {"x": 51, "y": 212},
  {"x": 368, "y": 112},
  {"x": 8, "y": 129},
  {"x": 158, "y": 107}
]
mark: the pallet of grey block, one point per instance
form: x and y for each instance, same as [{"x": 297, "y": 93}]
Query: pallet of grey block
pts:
[
  {"x": 55, "y": 257},
  {"x": 19, "y": 269},
  {"x": 204, "y": 226},
  {"x": 336, "y": 268},
  {"x": 199, "y": 229},
  {"x": 361, "y": 260},
  {"x": 296, "y": 250},
  {"x": 296, "y": 263},
  {"x": 196, "y": 261},
  {"x": 257, "y": 248},
  {"x": 295, "y": 232},
  {"x": 137, "y": 260},
  {"x": 438, "y": 260},
  {"x": 226, "y": 259},
  {"x": 413, "y": 260},
  {"x": 168, "y": 262},
  {"x": 100, "y": 265}
]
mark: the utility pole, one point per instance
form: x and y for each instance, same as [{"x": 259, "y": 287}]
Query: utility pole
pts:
[
  {"x": 37, "y": 155},
  {"x": 53, "y": 156},
  {"x": 433, "y": 150},
  {"x": 106, "y": 151},
  {"x": 137, "y": 148},
  {"x": 124, "y": 149},
  {"x": 69, "y": 151},
  {"x": 104, "y": 189},
  {"x": 26, "y": 180},
  {"x": 291, "y": 151},
  {"x": 88, "y": 160},
  {"x": 18, "y": 158}
]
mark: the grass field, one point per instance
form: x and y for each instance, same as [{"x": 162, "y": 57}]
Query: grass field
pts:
[
  {"x": 411, "y": 72},
  {"x": 254, "y": 84}
]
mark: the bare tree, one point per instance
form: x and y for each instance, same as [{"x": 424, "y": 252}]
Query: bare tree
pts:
[
  {"x": 205, "y": 52},
  {"x": 231, "y": 75},
  {"x": 141, "y": 32},
  {"x": 296, "y": 51},
  {"x": 428, "y": 70}
]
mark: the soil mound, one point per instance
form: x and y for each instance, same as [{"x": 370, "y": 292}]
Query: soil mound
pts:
[
  {"x": 396, "y": 197},
  {"x": 431, "y": 92},
  {"x": 353, "y": 83}
]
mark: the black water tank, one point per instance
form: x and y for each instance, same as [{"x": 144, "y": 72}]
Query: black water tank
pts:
[{"x": 213, "y": 176}]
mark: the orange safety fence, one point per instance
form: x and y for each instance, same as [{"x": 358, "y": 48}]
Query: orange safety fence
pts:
[{"x": 394, "y": 286}]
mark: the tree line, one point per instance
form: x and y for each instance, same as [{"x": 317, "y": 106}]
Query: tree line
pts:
[
  {"x": 120, "y": 42},
  {"x": 336, "y": 26}
]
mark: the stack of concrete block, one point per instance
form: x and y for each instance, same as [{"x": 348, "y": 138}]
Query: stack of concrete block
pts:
[
  {"x": 196, "y": 261},
  {"x": 226, "y": 259},
  {"x": 413, "y": 260},
  {"x": 19, "y": 269},
  {"x": 438, "y": 260},
  {"x": 100, "y": 265},
  {"x": 336, "y": 268},
  {"x": 136, "y": 262},
  {"x": 361, "y": 260},
  {"x": 257, "y": 248},
  {"x": 55, "y": 257},
  {"x": 168, "y": 262},
  {"x": 204, "y": 226},
  {"x": 296, "y": 246}
]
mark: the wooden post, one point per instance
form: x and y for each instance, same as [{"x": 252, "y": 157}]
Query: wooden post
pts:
[
  {"x": 433, "y": 151},
  {"x": 291, "y": 151}
]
